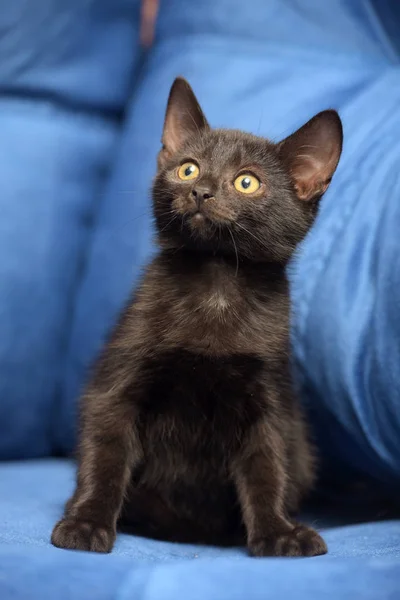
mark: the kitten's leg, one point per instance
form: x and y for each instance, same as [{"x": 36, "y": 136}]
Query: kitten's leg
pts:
[
  {"x": 260, "y": 476},
  {"x": 109, "y": 450}
]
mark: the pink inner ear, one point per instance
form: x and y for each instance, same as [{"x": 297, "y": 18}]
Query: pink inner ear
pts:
[
  {"x": 310, "y": 177},
  {"x": 173, "y": 138},
  {"x": 312, "y": 153},
  {"x": 184, "y": 117}
]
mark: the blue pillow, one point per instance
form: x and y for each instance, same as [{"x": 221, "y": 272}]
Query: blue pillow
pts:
[
  {"x": 267, "y": 67},
  {"x": 65, "y": 74},
  {"x": 346, "y": 293}
]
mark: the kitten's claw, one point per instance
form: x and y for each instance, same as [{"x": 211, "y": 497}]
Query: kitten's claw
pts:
[
  {"x": 300, "y": 541},
  {"x": 76, "y": 534}
]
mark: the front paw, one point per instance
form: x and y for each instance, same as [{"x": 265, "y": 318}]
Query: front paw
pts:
[
  {"x": 299, "y": 541},
  {"x": 76, "y": 534}
]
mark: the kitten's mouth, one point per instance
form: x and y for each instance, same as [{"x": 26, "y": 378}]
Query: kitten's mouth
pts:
[
  {"x": 198, "y": 220},
  {"x": 195, "y": 216},
  {"x": 199, "y": 224},
  {"x": 198, "y": 217}
]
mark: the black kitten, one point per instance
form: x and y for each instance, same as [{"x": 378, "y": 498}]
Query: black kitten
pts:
[{"x": 190, "y": 428}]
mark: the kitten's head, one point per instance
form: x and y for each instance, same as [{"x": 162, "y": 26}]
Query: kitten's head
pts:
[{"x": 227, "y": 192}]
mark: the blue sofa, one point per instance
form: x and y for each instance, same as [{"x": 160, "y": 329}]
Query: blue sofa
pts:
[{"x": 81, "y": 113}]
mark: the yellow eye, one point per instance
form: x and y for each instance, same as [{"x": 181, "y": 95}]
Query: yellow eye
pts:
[
  {"x": 247, "y": 183},
  {"x": 188, "y": 171}
]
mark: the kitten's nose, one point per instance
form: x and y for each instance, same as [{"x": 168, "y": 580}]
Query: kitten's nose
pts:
[{"x": 202, "y": 193}]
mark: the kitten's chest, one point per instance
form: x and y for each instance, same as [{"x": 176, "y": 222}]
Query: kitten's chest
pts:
[
  {"x": 222, "y": 312},
  {"x": 197, "y": 408}
]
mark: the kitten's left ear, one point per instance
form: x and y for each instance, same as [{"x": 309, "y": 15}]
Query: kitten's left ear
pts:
[
  {"x": 183, "y": 119},
  {"x": 312, "y": 153}
]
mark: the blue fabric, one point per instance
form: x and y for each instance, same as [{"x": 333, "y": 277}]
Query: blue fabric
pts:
[
  {"x": 86, "y": 236},
  {"x": 364, "y": 559},
  {"x": 290, "y": 62},
  {"x": 59, "y": 126},
  {"x": 80, "y": 124},
  {"x": 346, "y": 311}
]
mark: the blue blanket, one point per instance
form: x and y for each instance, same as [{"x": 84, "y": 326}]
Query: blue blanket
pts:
[{"x": 363, "y": 559}]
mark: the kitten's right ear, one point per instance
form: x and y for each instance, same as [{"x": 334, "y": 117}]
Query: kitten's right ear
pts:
[{"x": 183, "y": 119}]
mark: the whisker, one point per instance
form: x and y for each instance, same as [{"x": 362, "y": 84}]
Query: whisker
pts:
[
  {"x": 219, "y": 236},
  {"x": 141, "y": 215},
  {"x": 169, "y": 222},
  {"x": 258, "y": 240},
  {"x": 236, "y": 252},
  {"x": 130, "y": 221}
]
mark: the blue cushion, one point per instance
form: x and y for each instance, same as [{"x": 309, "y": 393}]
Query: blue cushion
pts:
[
  {"x": 363, "y": 557},
  {"x": 290, "y": 61},
  {"x": 60, "y": 111},
  {"x": 346, "y": 288},
  {"x": 59, "y": 124}
]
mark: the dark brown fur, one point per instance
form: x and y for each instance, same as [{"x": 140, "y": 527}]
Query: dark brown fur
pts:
[{"x": 190, "y": 428}]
